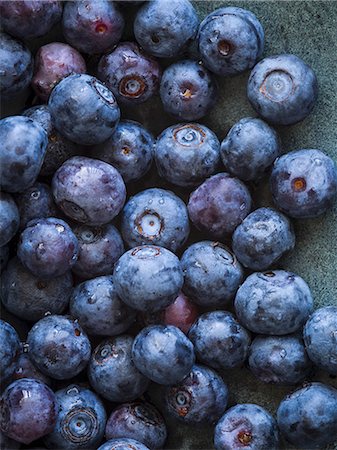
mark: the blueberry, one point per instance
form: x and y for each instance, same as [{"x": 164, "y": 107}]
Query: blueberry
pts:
[
  {"x": 91, "y": 26},
  {"x": 307, "y": 418},
  {"x": 246, "y": 426},
  {"x": 53, "y": 62},
  {"x": 155, "y": 216},
  {"x": 24, "y": 368},
  {"x": 276, "y": 302},
  {"x": 279, "y": 359},
  {"x": 9, "y": 350},
  {"x": 99, "y": 249},
  {"x": 219, "y": 205},
  {"x": 123, "y": 444},
  {"x": 140, "y": 421},
  {"x": 9, "y": 218},
  {"x": 182, "y": 313},
  {"x": 27, "y": 410},
  {"x": 263, "y": 238},
  {"x": 59, "y": 347},
  {"x": 4, "y": 256},
  {"x": 29, "y": 297},
  {"x": 200, "y": 397},
  {"x": 249, "y": 149},
  {"x": 320, "y": 334},
  {"x": 212, "y": 274},
  {"x": 112, "y": 371},
  {"x": 80, "y": 422},
  {"x": 282, "y": 89},
  {"x": 163, "y": 354},
  {"x": 48, "y": 247},
  {"x": 16, "y": 64},
  {"x": 80, "y": 182},
  {"x": 7, "y": 443},
  {"x": 186, "y": 154},
  {"x": 148, "y": 278},
  {"x": 164, "y": 27},
  {"x": 83, "y": 109},
  {"x": 131, "y": 74},
  {"x": 219, "y": 340},
  {"x": 230, "y": 40},
  {"x": 23, "y": 146},
  {"x": 304, "y": 183},
  {"x": 130, "y": 150},
  {"x": 98, "y": 308},
  {"x": 188, "y": 90}
]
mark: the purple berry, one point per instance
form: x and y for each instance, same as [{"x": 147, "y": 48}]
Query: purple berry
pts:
[
  {"x": 9, "y": 218},
  {"x": 9, "y": 350}
]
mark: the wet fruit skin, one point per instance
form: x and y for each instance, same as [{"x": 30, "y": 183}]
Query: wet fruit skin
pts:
[
  {"x": 186, "y": 154},
  {"x": 155, "y": 216},
  {"x": 246, "y": 426},
  {"x": 53, "y": 62},
  {"x": 9, "y": 218},
  {"x": 282, "y": 89},
  {"x": 91, "y": 26},
  {"x": 112, "y": 372},
  {"x": 200, "y": 397},
  {"x": 9, "y": 350},
  {"x": 59, "y": 347},
  {"x": 250, "y": 148},
  {"x": 187, "y": 90},
  {"x": 307, "y": 418},
  {"x": 163, "y": 354},
  {"x": 219, "y": 340},
  {"x": 164, "y": 27},
  {"x": 30, "y": 297},
  {"x": 279, "y": 359},
  {"x": 212, "y": 274},
  {"x": 123, "y": 444},
  {"x": 140, "y": 421},
  {"x": 274, "y": 303},
  {"x": 304, "y": 183},
  {"x": 28, "y": 410},
  {"x": 219, "y": 205},
  {"x": 131, "y": 74},
  {"x": 80, "y": 422},
  {"x": 98, "y": 308},
  {"x": 320, "y": 332},
  {"x": 230, "y": 40},
  {"x": 263, "y": 237}
]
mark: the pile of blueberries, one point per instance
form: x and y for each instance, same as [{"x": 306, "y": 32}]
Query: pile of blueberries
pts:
[{"x": 113, "y": 291}]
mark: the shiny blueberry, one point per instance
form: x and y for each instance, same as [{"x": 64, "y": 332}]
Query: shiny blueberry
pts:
[
  {"x": 304, "y": 183},
  {"x": 275, "y": 302},
  {"x": 9, "y": 218},
  {"x": 123, "y": 444},
  {"x": 9, "y": 350}
]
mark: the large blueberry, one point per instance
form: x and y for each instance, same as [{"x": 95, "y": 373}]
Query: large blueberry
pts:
[
  {"x": 307, "y": 418},
  {"x": 30, "y": 297},
  {"x": 282, "y": 89},
  {"x": 83, "y": 109},
  {"x": 219, "y": 340},
  {"x": 250, "y": 148},
  {"x": 112, "y": 371},
  {"x": 88, "y": 190},
  {"x": 148, "y": 278},
  {"x": 80, "y": 421},
  {"x": 129, "y": 149},
  {"x": 263, "y": 238},
  {"x": 275, "y": 302},
  {"x": 48, "y": 247},
  {"x": 164, "y": 27},
  {"x": 320, "y": 337},
  {"x": 304, "y": 183},
  {"x": 23, "y": 147},
  {"x": 230, "y": 40},
  {"x": 9, "y": 350},
  {"x": 219, "y": 205},
  {"x": 163, "y": 354},
  {"x": 9, "y": 218},
  {"x": 140, "y": 421},
  {"x": 186, "y": 154},
  {"x": 59, "y": 347},
  {"x": 123, "y": 444},
  {"x": 155, "y": 216},
  {"x": 200, "y": 397},
  {"x": 246, "y": 426},
  {"x": 212, "y": 274},
  {"x": 188, "y": 90}
]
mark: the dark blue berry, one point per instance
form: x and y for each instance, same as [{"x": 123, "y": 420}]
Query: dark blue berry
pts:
[
  {"x": 9, "y": 350},
  {"x": 25, "y": 368},
  {"x": 9, "y": 218},
  {"x": 123, "y": 444}
]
